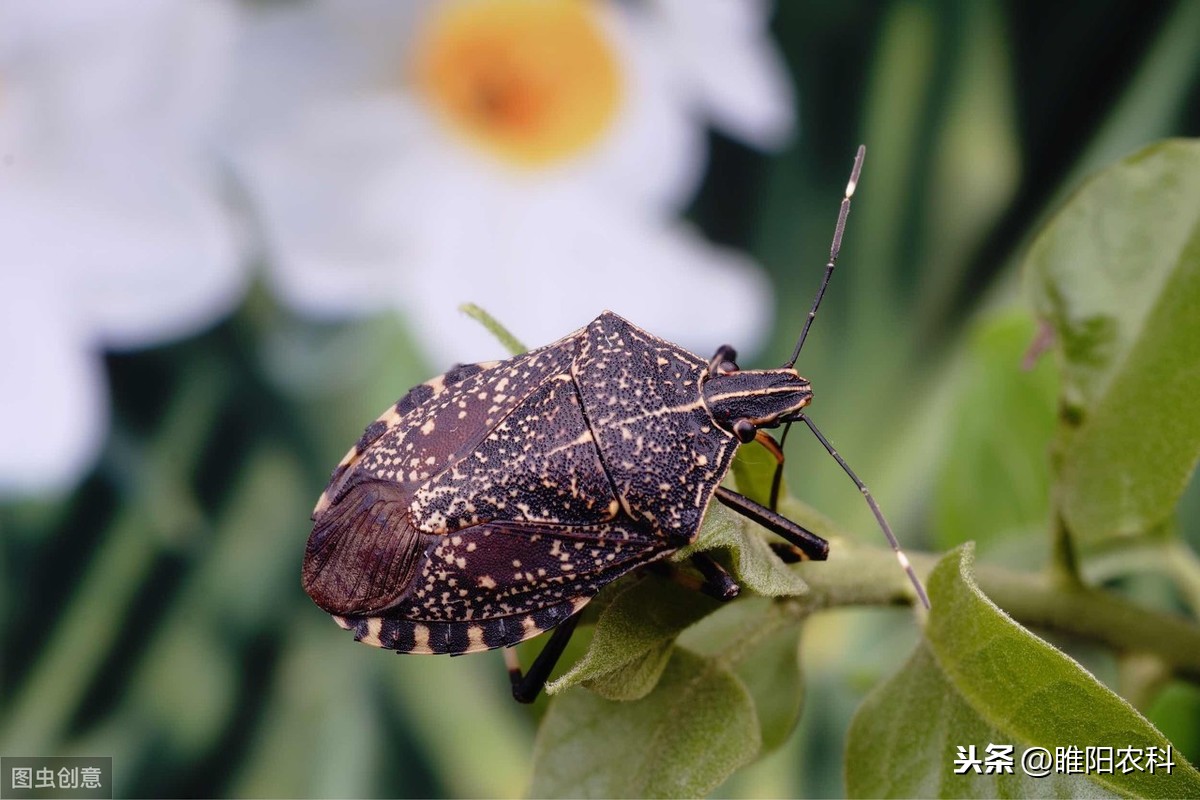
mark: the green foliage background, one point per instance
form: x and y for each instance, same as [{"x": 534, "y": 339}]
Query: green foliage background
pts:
[{"x": 155, "y": 615}]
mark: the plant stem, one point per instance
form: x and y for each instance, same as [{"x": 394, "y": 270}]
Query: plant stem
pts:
[
  {"x": 1064, "y": 567},
  {"x": 510, "y": 342},
  {"x": 856, "y": 576},
  {"x": 1097, "y": 616}
]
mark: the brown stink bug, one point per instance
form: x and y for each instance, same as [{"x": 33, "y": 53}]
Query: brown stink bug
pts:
[{"x": 491, "y": 503}]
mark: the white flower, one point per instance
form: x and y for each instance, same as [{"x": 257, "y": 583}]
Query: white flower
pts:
[
  {"x": 530, "y": 156},
  {"x": 112, "y": 234},
  {"x": 736, "y": 80}
]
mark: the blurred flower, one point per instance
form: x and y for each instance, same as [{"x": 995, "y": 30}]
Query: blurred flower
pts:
[
  {"x": 530, "y": 156},
  {"x": 112, "y": 233}
]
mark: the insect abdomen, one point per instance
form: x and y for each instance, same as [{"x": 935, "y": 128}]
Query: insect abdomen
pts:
[{"x": 455, "y": 638}]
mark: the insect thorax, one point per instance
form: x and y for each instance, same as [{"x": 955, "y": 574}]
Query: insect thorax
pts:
[{"x": 660, "y": 447}]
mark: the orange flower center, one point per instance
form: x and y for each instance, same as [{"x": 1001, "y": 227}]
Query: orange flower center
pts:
[{"x": 530, "y": 81}]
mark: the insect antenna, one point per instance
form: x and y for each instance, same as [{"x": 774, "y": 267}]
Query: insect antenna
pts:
[
  {"x": 883, "y": 523},
  {"x": 834, "y": 249}
]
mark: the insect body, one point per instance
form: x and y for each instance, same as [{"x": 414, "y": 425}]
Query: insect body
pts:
[
  {"x": 496, "y": 500},
  {"x": 493, "y": 502}
]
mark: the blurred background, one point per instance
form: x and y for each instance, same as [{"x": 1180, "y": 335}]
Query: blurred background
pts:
[{"x": 232, "y": 234}]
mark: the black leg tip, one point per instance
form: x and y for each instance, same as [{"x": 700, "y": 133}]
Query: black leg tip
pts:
[
  {"x": 787, "y": 553},
  {"x": 523, "y": 697},
  {"x": 723, "y": 591}
]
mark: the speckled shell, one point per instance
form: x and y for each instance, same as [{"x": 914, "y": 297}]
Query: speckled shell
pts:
[{"x": 492, "y": 502}]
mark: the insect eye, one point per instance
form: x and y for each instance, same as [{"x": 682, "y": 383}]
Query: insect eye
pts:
[{"x": 745, "y": 431}]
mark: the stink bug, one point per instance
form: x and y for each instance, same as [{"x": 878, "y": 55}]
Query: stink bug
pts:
[{"x": 491, "y": 503}]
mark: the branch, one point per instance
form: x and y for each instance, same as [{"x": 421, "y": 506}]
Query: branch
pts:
[{"x": 857, "y": 576}]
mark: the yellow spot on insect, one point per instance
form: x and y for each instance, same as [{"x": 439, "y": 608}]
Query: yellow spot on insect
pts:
[
  {"x": 702, "y": 460},
  {"x": 421, "y": 640},
  {"x": 530, "y": 627},
  {"x": 322, "y": 504},
  {"x": 343, "y": 623},
  {"x": 487, "y": 582},
  {"x": 475, "y": 639},
  {"x": 428, "y": 427},
  {"x": 374, "y": 627},
  {"x": 530, "y": 81}
]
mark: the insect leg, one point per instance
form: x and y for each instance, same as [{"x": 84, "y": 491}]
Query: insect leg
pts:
[
  {"x": 813, "y": 546},
  {"x": 717, "y": 582},
  {"x": 775, "y": 449},
  {"x": 714, "y": 581},
  {"x": 788, "y": 553},
  {"x": 527, "y": 687}
]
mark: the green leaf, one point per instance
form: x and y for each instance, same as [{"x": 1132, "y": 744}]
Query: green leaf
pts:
[
  {"x": 753, "y": 470},
  {"x": 771, "y": 671},
  {"x": 978, "y": 679},
  {"x": 681, "y": 740},
  {"x": 760, "y": 639},
  {"x": 904, "y": 738},
  {"x": 633, "y": 636},
  {"x": 754, "y": 564},
  {"x": 1117, "y": 273},
  {"x": 634, "y": 630},
  {"x": 993, "y": 482}
]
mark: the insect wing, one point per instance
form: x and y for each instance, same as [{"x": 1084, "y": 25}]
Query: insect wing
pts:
[
  {"x": 538, "y": 464},
  {"x": 364, "y": 550},
  {"x": 443, "y": 419},
  {"x": 365, "y": 542}
]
